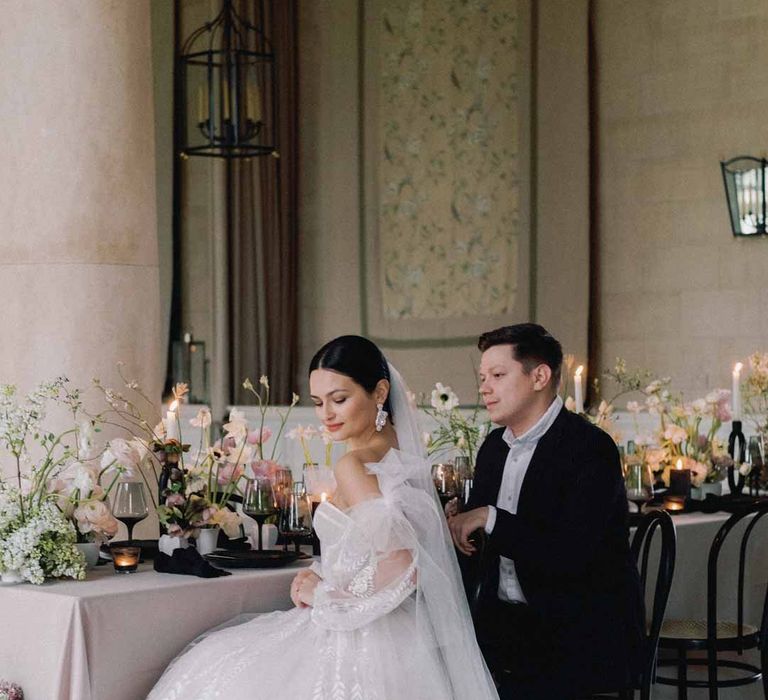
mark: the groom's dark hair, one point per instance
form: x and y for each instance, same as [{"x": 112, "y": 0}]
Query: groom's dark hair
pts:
[{"x": 532, "y": 345}]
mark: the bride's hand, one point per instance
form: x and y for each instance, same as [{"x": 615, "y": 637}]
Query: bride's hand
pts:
[
  {"x": 452, "y": 507},
  {"x": 303, "y": 588}
]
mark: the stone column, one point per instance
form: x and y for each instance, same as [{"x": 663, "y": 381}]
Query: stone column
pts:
[{"x": 79, "y": 278}]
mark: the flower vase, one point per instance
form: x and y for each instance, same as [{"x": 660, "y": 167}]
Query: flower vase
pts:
[
  {"x": 700, "y": 492},
  {"x": 207, "y": 539},
  {"x": 166, "y": 544},
  {"x": 11, "y": 577},
  {"x": 90, "y": 551}
]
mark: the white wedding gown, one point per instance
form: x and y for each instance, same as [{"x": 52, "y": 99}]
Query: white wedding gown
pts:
[{"x": 389, "y": 621}]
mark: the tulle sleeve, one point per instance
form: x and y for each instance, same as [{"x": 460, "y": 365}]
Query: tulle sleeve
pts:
[{"x": 372, "y": 572}]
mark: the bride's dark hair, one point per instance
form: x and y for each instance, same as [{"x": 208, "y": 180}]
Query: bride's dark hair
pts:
[{"x": 357, "y": 358}]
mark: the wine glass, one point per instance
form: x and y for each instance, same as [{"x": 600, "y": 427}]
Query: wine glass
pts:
[
  {"x": 638, "y": 481},
  {"x": 756, "y": 455},
  {"x": 444, "y": 476},
  {"x": 295, "y": 519},
  {"x": 259, "y": 502},
  {"x": 282, "y": 483},
  {"x": 129, "y": 505}
]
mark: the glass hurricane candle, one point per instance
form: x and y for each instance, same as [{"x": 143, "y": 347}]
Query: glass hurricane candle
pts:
[{"x": 125, "y": 559}]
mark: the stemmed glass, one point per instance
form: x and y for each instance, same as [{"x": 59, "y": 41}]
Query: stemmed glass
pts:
[
  {"x": 756, "y": 456},
  {"x": 259, "y": 502},
  {"x": 444, "y": 476},
  {"x": 129, "y": 505},
  {"x": 638, "y": 480},
  {"x": 295, "y": 519},
  {"x": 282, "y": 483}
]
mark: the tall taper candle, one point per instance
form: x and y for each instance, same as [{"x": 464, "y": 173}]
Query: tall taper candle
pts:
[
  {"x": 578, "y": 390},
  {"x": 736, "y": 392}
]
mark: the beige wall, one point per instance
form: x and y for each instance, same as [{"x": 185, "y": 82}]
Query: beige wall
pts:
[
  {"x": 330, "y": 182},
  {"x": 682, "y": 86}
]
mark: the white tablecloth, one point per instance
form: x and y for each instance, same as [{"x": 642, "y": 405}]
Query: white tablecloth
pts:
[
  {"x": 111, "y": 637},
  {"x": 695, "y": 532}
]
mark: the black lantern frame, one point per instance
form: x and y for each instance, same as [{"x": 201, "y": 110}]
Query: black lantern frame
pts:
[
  {"x": 227, "y": 88},
  {"x": 744, "y": 180}
]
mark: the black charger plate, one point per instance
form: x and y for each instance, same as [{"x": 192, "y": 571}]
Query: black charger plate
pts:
[{"x": 251, "y": 559}]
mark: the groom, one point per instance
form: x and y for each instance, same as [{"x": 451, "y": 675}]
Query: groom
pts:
[{"x": 560, "y": 613}]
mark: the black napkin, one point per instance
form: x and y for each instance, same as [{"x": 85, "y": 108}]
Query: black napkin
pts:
[{"x": 187, "y": 561}]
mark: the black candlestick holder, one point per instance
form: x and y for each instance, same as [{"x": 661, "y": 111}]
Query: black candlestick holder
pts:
[{"x": 737, "y": 448}]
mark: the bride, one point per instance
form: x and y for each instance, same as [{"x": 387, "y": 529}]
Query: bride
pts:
[{"x": 383, "y": 616}]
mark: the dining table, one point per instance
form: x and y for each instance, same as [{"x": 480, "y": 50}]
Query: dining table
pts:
[{"x": 111, "y": 636}]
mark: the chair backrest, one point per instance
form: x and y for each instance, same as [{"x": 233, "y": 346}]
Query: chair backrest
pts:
[
  {"x": 756, "y": 511},
  {"x": 652, "y": 522}
]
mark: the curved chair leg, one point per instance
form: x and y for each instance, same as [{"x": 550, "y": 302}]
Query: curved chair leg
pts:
[
  {"x": 712, "y": 674},
  {"x": 682, "y": 675}
]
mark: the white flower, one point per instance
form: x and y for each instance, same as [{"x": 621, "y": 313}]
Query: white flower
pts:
[
  {"x": 444, "y": 400},
  {"x": 122, "y": 452},
  {"x": 86, "y": 439},
  {"x": 301, "y": 432},
  {"x": 699, "y": 407},
  {"x": 202, "y": 419},
  {"x": 84, "y": 479},
  {"x": 264, "y": 381},
  {"x": 745, "y": 469},
  {"x": 570, "y": 404},
  {"x": 675, "y": 434},
  {"x": 654, "y": 405},
  {"x": 237, "y": 426},
  {"x": 634, "y": 407},
  {"x": 326, "y": 435}
]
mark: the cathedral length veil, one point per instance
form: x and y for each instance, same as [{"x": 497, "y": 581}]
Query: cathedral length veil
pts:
[{"x": 404, "y": 475}]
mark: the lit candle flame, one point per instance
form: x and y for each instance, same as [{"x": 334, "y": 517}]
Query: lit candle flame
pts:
[
  {"x": 174, "y": 405},
  {"x": 323, "y": 497},
  {"x": 679, "y": 464},
  {"x": 737, "y": 368},
  {"x": 579, "y": 370}
]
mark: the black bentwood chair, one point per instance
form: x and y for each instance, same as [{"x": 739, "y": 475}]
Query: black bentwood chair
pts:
[
  {"x": 650, "y": 523},
  {"x": 713, "y": 635}
]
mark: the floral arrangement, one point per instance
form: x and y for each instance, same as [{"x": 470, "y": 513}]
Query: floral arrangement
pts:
[
  {"x": 454, "y": 429},
  {"x": 197, "y": 486},
  {"x": 756, "y": 391},
  {"x": 37, "y": 540},
  {"x": 687, "y": 430},
  {"x": 10, "y": 691}
]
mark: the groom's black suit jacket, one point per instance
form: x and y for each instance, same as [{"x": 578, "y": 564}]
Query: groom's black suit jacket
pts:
[{"x": 569, "y": 541}]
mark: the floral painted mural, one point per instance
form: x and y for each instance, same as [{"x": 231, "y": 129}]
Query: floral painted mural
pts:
[{"x": 448, "y": 161}]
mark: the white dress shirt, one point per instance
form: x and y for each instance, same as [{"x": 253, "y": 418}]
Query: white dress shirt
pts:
[{"x": 521, "y": 450}]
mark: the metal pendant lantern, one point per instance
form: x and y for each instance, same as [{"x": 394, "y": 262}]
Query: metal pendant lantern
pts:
[
  {"x": 744, "y": 179},
  {"x": 227, "y": 87}
]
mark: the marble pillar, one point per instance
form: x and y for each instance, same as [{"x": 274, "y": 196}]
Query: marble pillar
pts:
[{"x": 79, "y": 277}]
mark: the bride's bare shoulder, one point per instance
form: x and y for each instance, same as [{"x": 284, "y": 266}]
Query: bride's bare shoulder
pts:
[{"x": 353, "y": 480}]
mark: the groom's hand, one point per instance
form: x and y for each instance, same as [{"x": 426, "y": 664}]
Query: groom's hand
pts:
[{"x": 463, "y": 525}]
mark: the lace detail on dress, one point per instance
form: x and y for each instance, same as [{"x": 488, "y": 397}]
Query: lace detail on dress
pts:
[{"x": 361, "y": 584}]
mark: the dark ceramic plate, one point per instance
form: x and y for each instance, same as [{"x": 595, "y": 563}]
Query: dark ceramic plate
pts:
[{"x": 251, "y": 559}]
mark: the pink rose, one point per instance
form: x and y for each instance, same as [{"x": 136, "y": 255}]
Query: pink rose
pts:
[
  {"x": 95, "y": 516},
  {"x": 265, "y": 467},
  {"x": 229, "y": 472},
  {"x": 256, "y": 437},
  {"x": 175, "y": 499}
]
